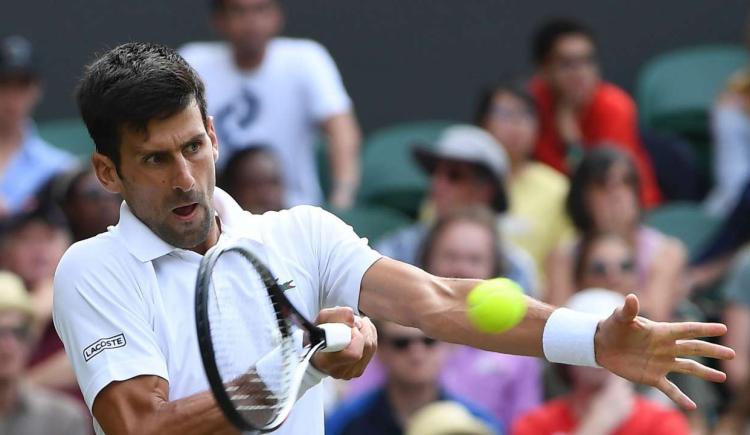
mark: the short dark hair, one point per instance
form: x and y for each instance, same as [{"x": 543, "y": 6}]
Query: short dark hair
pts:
[
  {"x": 550, "y": 32},
  {"x": 131, "y": 85},
  {"x": 516, "y": 88},
  {"x": 218, "y": 5},
  {"x": 593, "y": 169},
  {"x": 228, "y": 176}
]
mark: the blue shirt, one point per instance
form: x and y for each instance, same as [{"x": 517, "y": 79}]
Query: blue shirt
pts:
[
  {"x": 372, "y": 414},
  {"x": 33, "y": 165}
]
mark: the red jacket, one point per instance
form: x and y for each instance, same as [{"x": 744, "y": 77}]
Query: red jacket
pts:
[{"x": 610, "y": 118}]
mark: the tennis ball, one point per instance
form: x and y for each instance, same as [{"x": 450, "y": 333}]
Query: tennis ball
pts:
[{"x": 496, "y": 305}]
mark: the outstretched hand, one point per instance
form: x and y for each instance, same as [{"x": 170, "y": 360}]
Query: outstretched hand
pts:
[{"x": 644, "y": 351}]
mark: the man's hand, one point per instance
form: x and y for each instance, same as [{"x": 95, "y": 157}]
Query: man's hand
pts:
[
  {"x": 644, "y": 351},
  {"x": 352, "y": 361}
]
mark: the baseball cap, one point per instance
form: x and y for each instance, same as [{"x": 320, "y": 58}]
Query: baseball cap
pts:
[
  {"x": 598, "y": 301},
  {"x": 13, "y": 294},
  {"x": 16, "y": 57},
  {"x": 470, "y": 144},
  {"x": 446, "y": 418}
]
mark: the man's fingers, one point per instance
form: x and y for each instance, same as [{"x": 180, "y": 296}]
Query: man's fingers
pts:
[
  {"x": 687, "y": 330},
  {"x": 628, "y": 312},
  {"x": 694, "y": 368},
  {"x": 702, "y": 348},
  {"x": 674, "y": 393},
  {"x": 336, "y": 315}
]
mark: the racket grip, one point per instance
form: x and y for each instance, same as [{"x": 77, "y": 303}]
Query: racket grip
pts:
[{"x": 338, "y": 336}]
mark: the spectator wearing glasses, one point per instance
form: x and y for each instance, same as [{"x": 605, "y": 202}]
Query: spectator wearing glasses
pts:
[
  {"x": 412, "y": 363},
  {"x": 578, "y": 110},
  {"x": 536, "y": 220},
  {"x": 467, "y": 168},
  {"x": 253, "y": 177},
  {"x": 27, "y": 162},
  {"x": 88, "y": 207},
  {"x": 605, "y": 260},
  {"x": 605, "y": 197},
  {"x": 25, "y": 409}
]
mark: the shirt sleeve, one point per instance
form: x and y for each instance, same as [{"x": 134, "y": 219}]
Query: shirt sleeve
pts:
[
  {"x": 325, "y": 89},
  {"x": 342, "y": 258},
  {"x": 101, "y": 316}
]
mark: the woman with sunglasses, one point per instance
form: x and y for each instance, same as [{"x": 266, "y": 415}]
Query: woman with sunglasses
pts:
[
  {"x": 605, "y": 197},
  {"x": 606, "y": 261}
]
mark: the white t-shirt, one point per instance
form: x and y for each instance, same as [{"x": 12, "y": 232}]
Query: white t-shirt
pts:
[
  {"x": 279, "y": 104},
  {"x": 124, "y": 300}
]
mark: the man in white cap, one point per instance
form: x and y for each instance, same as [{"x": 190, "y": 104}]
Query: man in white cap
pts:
[
  {"x": 467, "y": 168},
  {"x": 25, "y": 409}
]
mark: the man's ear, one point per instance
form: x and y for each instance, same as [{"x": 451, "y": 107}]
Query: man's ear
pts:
[
  {"x": 105, "y": 171},
  {"x": 212, "y": 135}
]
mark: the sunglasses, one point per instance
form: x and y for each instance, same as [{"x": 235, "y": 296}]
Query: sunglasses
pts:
[
  {"x": 454, "y": 173},
  {"x": 602, "y": 268},
  {"x": 403, "y": 343},
  {"x": 20, "y": 333}
]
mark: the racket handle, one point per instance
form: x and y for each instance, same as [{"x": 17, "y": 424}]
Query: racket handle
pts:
[{"x": 338, "y": 336}]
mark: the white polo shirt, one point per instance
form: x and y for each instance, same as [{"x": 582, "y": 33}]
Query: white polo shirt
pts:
[{"x": 124, "y": 300}]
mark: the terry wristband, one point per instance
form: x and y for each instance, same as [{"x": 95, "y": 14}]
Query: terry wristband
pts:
[{"x": 569, "y": 337}]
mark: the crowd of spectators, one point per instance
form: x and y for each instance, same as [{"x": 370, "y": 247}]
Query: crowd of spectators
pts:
[{"x": 550, "y": 186}]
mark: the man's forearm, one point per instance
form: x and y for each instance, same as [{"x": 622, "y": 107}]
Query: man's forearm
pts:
[
  {"x": 194, "y": 415},
  {"x": 344, "y": 140}
]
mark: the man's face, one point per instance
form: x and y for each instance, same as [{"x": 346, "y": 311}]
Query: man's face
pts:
[
  {"x": 463, "y": 249},
  {"x": 18, "y": 96},
  {"x": 258, "y": 185},
  {"x": 249, "y": 24},
  {"x": 91, "y": 209},
  {"x": 409, "y": 357},
  {"x": 15, "y": 335},
  {"x": 454, "y": 184},
  {"x": 167, "y": 176},
  {"x": 572, "y": 69},
  {"x": 33, "y": 251}
]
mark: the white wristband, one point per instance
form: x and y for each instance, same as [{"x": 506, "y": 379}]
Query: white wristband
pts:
[{"x": 569, "y": 337}]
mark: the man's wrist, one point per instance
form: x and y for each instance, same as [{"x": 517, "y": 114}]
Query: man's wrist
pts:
[{"x": 569, "y": 338}]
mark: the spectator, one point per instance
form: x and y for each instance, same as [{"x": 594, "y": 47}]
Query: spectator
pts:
[
  {"x": 446, "y": 418},
  {"x": 604, "y": 197},
  {"x": 467, "y": 167},
  {"x": 606, "y": 261},
  {"x": 536, "y": 219},
  {"x": 464, "y": 244},
  {"x": 25, "y": 409},
  {"x": 88, "y": 207},
  {"x": 600, "y": 402},
  {"x": 31, "y": 245},
  {"x": 737, "y": 318},
  {"x": 578, "y": 110},
  {"x": 412, "y": 363},
  {"x": 27, "y": 162},
  {"x": 737, "y": 418},
  {"x": 253, "y": 176},
  {"x": 279, "y": 91}
]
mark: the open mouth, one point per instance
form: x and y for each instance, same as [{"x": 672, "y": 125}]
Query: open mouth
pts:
[{"x": 186, "y": 211}]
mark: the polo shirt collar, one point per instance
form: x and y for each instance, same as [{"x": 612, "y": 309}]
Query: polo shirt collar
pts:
[{"x": 142, "y": 243}]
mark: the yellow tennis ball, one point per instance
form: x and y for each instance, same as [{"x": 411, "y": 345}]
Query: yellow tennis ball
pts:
[{"x": 496, "y": 305}]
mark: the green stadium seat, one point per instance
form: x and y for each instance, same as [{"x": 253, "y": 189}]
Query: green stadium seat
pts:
[
  {"x": 69, "y": 134},
  {"x": 686, "y": 221},
  {"x": 390, "y": 176},
  {"x": 373, "y": 221},
  {"x": 676, "y": 90}
]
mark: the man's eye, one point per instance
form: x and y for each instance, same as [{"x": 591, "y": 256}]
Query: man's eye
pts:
[
  {"x": 154, "y": 159},
  {"x": 193, "y": 147}
]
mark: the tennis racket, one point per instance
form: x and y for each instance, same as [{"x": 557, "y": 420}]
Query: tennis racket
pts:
[{"x": 254, "y": 343}]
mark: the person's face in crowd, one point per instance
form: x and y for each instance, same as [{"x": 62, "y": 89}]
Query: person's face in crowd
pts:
[
  {"x": 90, "y": 208},
  {"x": 409, "y": 357},
  {"x": 167, "y": 176},
  {"x": 611, "y": 265},
  {"x": 33, "y": 251},
  {"x": 572, "y": 69},
  {"x": 18, "y": 96},
  {"x": 614, "y": 205},
  {"x": 513, "y": 124},
  {"x": 589, "y": 379},
  {"x": 249, "y": 24},
  {"x": 463, "y": 249},
  {"x": 258, "y": 186},
  {"x": 15, "y": 334},
  {"x": 455, "y": 185}
]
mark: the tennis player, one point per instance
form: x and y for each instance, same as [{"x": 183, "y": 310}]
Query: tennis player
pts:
[{"x": 124, "y": 299}]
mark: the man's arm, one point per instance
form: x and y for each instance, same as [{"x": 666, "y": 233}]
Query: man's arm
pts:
[
  {"x": 344, "y": 138},
  {"x": 629, "y": 346}
]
